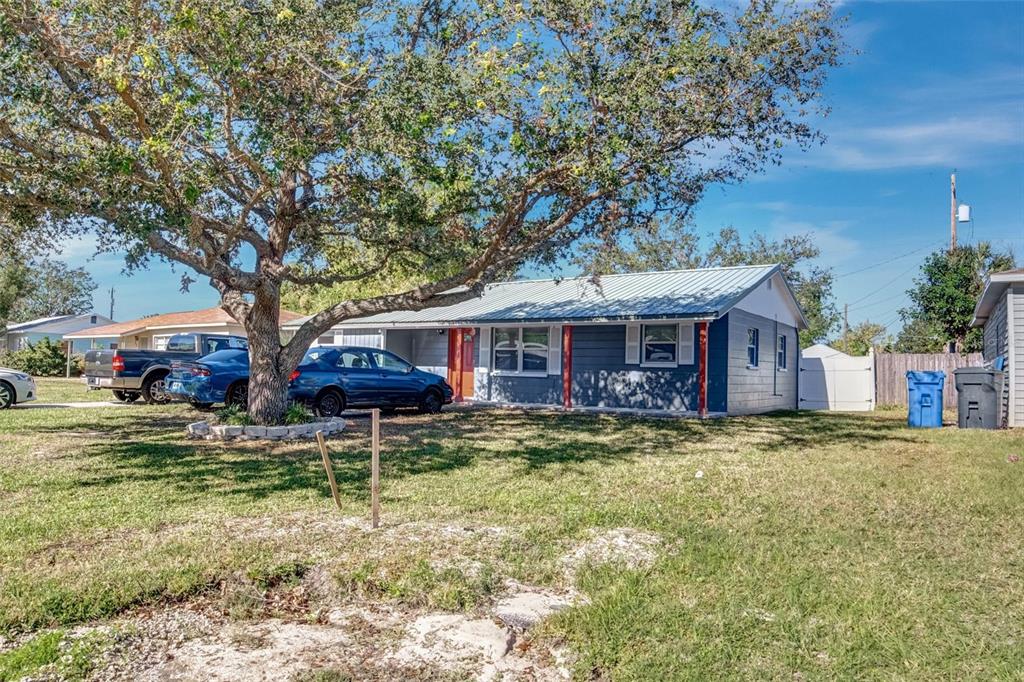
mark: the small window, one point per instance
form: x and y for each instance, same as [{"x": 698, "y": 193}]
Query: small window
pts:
[
  {"x": 182, "y": 343},
  {"x": 92, "y": 319},
  {"x": 660, "y": 343},
  {"x": 781, "y": 359},
  {"x": 521, "y": 349},
  {"x": 353, "y": 359},
  {"x": 325, "y": 340},
  {"x": 390, "y": 362},
  {"x": 753, "y": 341}
]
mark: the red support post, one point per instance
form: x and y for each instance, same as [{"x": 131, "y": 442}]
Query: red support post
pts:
[
  {"x": 702, "y": 371},
  {"x": 455, "y": 371},
  {"x": 567, "y": 366}
]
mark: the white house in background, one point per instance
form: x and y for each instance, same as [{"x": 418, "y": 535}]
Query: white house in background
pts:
[
  {"x": 1000, "y": 312},
  {"x": 55, "y": 329},
  {"x": 832, "y": 380},
  {"x": 154, "y": 331}
]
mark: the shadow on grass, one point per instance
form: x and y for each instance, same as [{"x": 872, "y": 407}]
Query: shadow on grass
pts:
[{"x": 152, "y": 447}]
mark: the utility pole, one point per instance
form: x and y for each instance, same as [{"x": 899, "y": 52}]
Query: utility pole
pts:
[
  {"x": 952, "y": 212},
  {"x": 111, "y": 303}
]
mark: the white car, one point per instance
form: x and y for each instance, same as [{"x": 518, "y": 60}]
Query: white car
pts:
[{"x": 15, "y": 387}]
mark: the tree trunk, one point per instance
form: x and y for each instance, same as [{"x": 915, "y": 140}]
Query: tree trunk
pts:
[{"x": 268, "y": 369}]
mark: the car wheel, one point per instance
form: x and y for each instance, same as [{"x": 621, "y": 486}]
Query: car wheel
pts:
[
  {"x": 238, "y": 395},
  {"x": 153, "y": 390},
  {"x": 431, "y": 403},
  {"x": 126, "y": 396},
  {"x": 6, "y": 395},
  {"x": 329, "y": 403}
]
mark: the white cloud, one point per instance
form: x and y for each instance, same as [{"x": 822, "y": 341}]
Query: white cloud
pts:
[{"x": 829, "y": 237}]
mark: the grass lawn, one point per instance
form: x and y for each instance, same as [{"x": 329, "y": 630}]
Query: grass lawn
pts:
[
  {"x": 61, "y": 390},
  {"x": 814, "y": 545}
]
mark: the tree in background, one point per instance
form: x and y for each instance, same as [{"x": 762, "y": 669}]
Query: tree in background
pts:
[
  {"x": 944, "y": 297},
  {"x": 13, "y": 280},
  {"x": 52, "y": 288},
  {"x": 860, "y": 338},
  {"x": 674, "y": 244},
  {"x": 453, "y": 140}
]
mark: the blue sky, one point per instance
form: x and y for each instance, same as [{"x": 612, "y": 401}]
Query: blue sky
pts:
[{"x": 934, "y": 87}]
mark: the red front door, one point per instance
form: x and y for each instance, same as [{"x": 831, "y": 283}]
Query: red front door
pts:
[{"x": 460, "y": 362}]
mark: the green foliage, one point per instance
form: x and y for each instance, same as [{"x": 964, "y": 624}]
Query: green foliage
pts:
[
  {"x": 51, "y": 289},
  {"x": 297, "y": 413},
  {"x": 53, "y": 652},
  {"x": 14, "y": 277},
  {"x": 860, "y": 338},
  {"x": 946, "y": 292},
  {"x": 233, "y": 415},
  {"x": 674, "y": 244},
  {"x": 41, "y": 359},
  {"x": 918, "y": 335}
]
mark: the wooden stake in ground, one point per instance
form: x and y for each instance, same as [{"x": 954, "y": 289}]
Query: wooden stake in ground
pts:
[
  {"x": 375, "y": 469},
  {"x": 328, "y": 467}
]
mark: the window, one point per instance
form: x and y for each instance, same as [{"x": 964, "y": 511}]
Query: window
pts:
[
  {"x": 521, "y": 349},
  {"x": 353, "y": 359},
  {"x": 325, "y": 340},
  {"x": 753, "y": 340},
  {"x": 214, "y": 344},
  {"x": 92, "y": 319},
  {"x": 391, "y": 362},
  {"x": 180, "y": 342},
  {"x": 780, "y": 361},
  {"x": 660, "y": 342}
]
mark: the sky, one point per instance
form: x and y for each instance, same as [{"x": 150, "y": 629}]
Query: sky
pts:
[{"x": 928, "y": 88}]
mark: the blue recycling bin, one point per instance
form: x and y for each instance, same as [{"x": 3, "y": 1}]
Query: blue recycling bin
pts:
[{"x": 924, "y": 395}]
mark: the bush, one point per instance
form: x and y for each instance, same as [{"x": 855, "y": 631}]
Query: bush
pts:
[
  {"x": 42, "y": 359},
  {"x": 233, "y": 415},
  {"x": 297, "y": 413}
]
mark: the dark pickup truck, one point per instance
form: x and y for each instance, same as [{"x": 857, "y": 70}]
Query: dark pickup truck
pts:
[{"x": 132, "y": 374}]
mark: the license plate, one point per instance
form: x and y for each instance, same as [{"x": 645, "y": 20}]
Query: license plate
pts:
[
  {"x": 174, "y": 387},
  {"x": 100, "y": 381}
]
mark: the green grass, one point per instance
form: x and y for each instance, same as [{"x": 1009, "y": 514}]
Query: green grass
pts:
[
  {"x": 60, "y": 390},
  {"x": 51, "y": 651},
  {"x": 820, "y": 545}
]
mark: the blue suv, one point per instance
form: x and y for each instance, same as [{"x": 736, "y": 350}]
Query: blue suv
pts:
[{"x": 331, "y": 379}]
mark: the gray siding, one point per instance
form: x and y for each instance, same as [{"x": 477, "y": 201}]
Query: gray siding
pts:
[
  {"x": 752, "y": 391},
  {"x": 545, "y": 390},
  {"x": 1016, "y": 368},
  {"x": 995, "y": 332}
]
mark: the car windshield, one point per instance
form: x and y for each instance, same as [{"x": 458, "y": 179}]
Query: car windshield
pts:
[
  {"x": 321, "y": 352},
  {"x": 183, "y": 343},
  {"x": 229, "y": 355}
]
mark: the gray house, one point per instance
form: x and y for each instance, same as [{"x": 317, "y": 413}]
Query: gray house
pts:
[
  {"x": 23, "y": 334},
  {"x": 711, "y": 341},
  {"x": 1000, "y": 312}
]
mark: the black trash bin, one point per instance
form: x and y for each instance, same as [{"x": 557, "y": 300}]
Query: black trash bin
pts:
[{"x": 979, "y": 398}]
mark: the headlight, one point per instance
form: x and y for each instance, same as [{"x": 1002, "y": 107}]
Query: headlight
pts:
[{"x": 23, "y": 377}]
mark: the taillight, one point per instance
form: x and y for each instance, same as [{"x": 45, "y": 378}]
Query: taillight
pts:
[
  {"x": 294, "y": 375},
  {"x": 117, "y": 363},
  {"x": 200, "y": 371}
]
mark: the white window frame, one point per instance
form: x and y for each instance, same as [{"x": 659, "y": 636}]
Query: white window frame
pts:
[
  {"x": 782, "y": 352},
  {"x": 519, "y": 371},
  {"x": 644, "y": 362},
  {"x": 756, "y": 346}
]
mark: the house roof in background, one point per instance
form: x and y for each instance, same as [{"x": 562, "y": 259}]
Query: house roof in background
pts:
[
  {"x": 704, "y": 293},
  {"x": 61, "y": 324},
  {"x": 207, "y": 317},
  {"x": 995, "y": 285}
]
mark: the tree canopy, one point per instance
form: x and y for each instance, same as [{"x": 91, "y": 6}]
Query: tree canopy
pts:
[
  {"x": 450, "y": 139},
  {"x": 42, "y": 288},
  {"x": 944, "y": 296},
  {"x": 675, "y": 244}
]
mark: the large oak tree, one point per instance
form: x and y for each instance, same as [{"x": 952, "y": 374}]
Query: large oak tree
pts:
[{"x": 451, "y": 139}]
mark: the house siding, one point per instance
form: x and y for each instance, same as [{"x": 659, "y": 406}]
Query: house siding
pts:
[
  {"x": 995, "y": 337},
  {"x": 1015, "y": 298},
  {"x": 753, "y": 391}
]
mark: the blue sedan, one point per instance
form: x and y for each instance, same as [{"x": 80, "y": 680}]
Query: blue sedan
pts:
[{"x": 330, "y": 379}]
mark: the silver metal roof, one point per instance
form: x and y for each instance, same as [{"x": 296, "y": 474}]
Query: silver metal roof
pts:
[
  {"x": 61, "y": 324},
  {"x": 705, "y": 293}
]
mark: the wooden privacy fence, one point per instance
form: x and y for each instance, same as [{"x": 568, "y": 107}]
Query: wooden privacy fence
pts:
[{"x": 891, "y": 374}]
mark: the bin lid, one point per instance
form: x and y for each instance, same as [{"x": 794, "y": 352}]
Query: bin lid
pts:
[{"x": 924, "y": 377}]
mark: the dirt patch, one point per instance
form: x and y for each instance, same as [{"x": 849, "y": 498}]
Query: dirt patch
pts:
[{"x": 626, "y": 546}]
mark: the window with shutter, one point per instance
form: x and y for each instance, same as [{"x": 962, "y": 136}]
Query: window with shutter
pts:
[
  {"x": 632, "y": 344},
  {"x": 555, "y": 349},
  {"x": 485, "y": 348},
  {"x": 685, "y": 354}
]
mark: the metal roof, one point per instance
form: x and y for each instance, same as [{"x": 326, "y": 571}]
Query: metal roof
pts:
[
  {"x": 705, "y": 293},
  {"x": 61, "y": 324}
]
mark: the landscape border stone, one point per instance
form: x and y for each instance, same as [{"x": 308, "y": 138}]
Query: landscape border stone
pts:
[{"x": 208, "y": 431}]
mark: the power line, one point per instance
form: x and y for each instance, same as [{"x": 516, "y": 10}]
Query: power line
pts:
[
  {"x": 886, "y": 262},
  {"x": 884, "y": 286}
]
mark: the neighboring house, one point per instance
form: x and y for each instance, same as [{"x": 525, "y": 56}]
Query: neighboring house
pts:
[
  {"x": 1000, "y": 312},
  {"x": 154, "y": 331},
  {"x": 23, "y": 334},
  {"x": 718, "y": 340}
]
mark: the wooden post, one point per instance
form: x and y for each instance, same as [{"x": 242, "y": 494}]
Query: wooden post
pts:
[
  {"x": 567, "y": 366},
  {"x": 702, "y": 369},
  {"x": 328, "y": 467},
  {"x": 375, "y": 469}
]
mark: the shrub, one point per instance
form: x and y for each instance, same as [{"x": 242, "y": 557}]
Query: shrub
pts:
[
  {"x": 297, "y": 413},
  {"x": 42, "y": 359},
  {"x": 233, "y": 415}
]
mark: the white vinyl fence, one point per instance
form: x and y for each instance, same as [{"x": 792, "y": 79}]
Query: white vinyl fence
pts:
[{"x": 832, "y": 380}]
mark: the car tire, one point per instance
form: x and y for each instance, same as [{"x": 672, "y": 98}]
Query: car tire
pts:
[
  {"x": 431, "y": 403},
  {"x": 329, "y": 403},
  {"x": 153, "y": 389},
  {"x": 237, "y": 395},
  {"x": 127, "y": 396},
  {"x": 200, "y": 406},
  {"x": 7, "y": 395}
]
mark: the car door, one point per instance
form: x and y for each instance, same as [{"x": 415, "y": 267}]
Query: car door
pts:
[
  {"x": 358, "y": 377},
  {"x": 401, "y": 386}
]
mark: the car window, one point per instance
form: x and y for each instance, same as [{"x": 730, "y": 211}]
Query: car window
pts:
[
  {"x": 353, "y": 359},
  {"x": 214, "y": 343},
  {"x": 183, "y": 343},
  {"x": 389, "y": 362}
]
